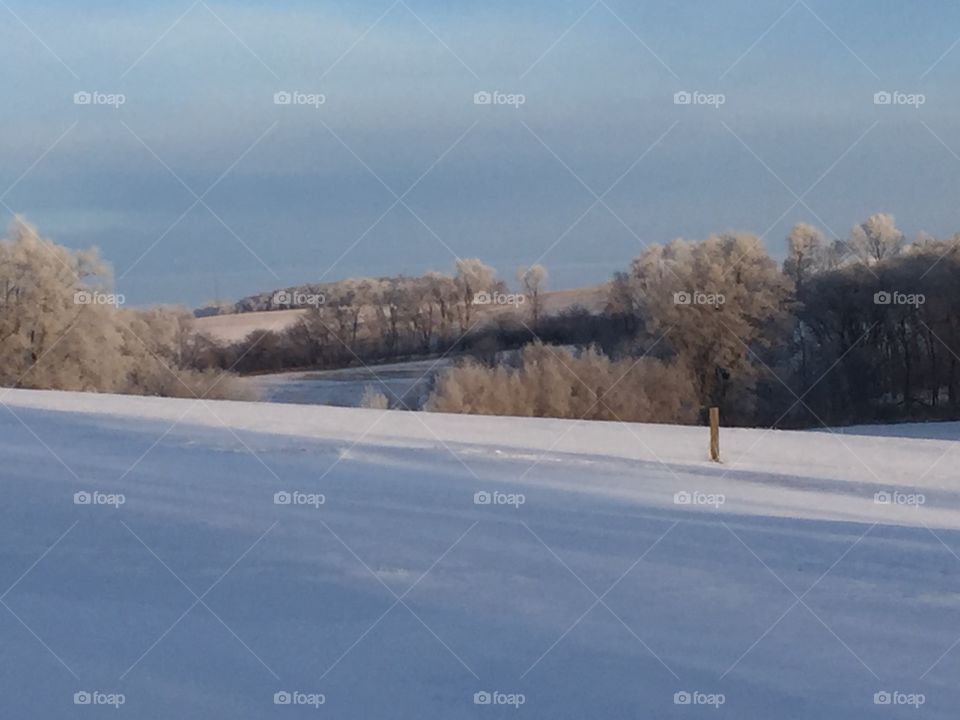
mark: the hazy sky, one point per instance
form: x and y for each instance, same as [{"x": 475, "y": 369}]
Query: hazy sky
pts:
[{"x": 293, "y": 193}]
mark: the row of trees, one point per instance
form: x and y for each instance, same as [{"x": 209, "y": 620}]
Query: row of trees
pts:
[
  {"x": 380, "y": 319},
  {"x": 863, "y": 329},
  {"x": 876, "y": 336},
  {"x": 853, "y": 330}
]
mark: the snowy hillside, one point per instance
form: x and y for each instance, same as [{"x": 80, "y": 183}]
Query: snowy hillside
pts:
[{"x": 233, "y": 560}]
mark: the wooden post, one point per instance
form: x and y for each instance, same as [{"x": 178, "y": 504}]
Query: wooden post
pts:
[{"x": 715, "y": 434}]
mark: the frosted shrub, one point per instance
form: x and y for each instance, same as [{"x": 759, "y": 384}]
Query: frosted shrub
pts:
[
  {"x": 373, "y": 399},
  {"x": 554, "y": 382}
]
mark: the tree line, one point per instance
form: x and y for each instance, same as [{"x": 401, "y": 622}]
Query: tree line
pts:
[
  {"x": 854, "y": 330},
  {"x": 860, "y": 329},
  {"x": 372, "y": 320}
]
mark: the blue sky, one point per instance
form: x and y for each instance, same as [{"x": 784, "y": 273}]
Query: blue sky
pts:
[{"x": 299, "y": 192}]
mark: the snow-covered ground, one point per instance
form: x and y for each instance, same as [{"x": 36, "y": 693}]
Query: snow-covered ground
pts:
[
  {"x": 236, "y": 326},
  {"x": 409, "y": 382},
  {"x": 783, "y": 589}
]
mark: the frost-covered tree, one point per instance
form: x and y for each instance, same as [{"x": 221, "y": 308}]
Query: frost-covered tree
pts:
[
  {"x": 473, "y": 276},
  {"x": 533, "y": 281},
  {"x": 58, "y": 329},
  {"x": 806, "y": 254},
  {"x": 50, "y": 337},
  {"x": 717, "y": 303},
  {"x": 876, "y": 238}
]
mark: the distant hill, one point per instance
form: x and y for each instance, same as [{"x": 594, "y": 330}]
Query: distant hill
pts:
[{"x": 260, "y": 312}]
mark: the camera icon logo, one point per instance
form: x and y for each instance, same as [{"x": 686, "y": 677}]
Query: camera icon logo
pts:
[
  {"x": 282, "y": 98},
  {"x": 482, "y": 98},
  {"x": 282, "y": 298},
  {"x": 682, "y": 98},
  {"x": 82, "y": 498},
  {"x": 682, "y": 698},
  {"x": 482, "y": 298},
  {"x": 882, "y": 498},
  {"x": 882, "y": 98},
  {"x": 282, "y": 698},
  {"x": 282, "y": 498},
  {"x": 482, "y": 698},
  {"x": 682, "y": 298},
  {"x": 82, "y": 98},
  {"x": 82, "y": 698},
  {"x": 882, "y": 698},
  {"x": 482, "y": 498},
  {"x": 681, "y": 498},
  {"x": 882, "y": 298}
]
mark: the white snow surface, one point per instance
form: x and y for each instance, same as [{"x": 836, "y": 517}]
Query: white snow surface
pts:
[{"x": 797, "y": 596}]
